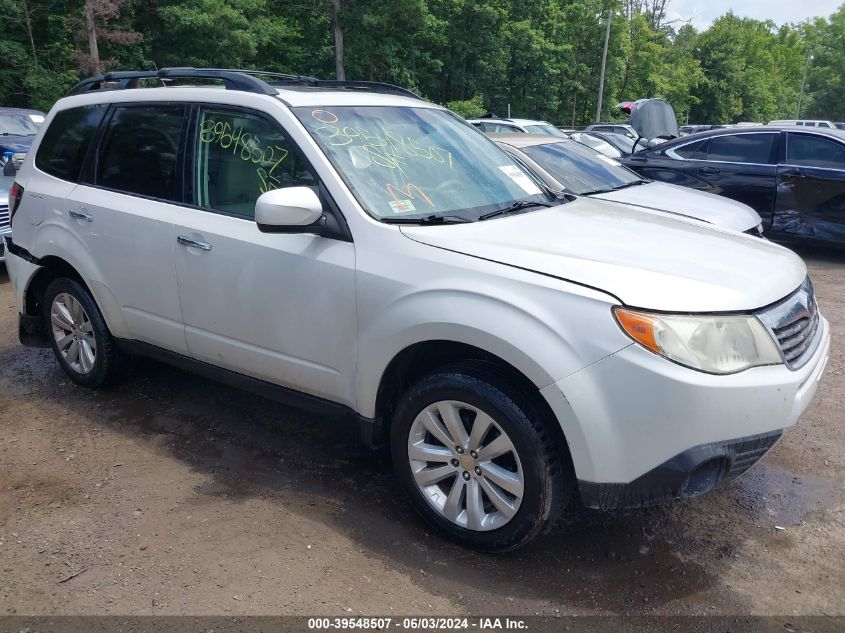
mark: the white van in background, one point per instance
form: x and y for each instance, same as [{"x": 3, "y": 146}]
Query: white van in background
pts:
[{"x": 804, "y": 122}]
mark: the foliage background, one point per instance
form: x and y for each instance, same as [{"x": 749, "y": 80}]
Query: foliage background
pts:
[{"x": 541, "y": 57}]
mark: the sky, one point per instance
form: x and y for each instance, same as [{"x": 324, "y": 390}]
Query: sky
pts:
[{"x": 703, "y": 12}]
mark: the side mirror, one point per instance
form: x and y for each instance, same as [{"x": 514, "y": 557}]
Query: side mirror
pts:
[{"x": 289, "y": 210}]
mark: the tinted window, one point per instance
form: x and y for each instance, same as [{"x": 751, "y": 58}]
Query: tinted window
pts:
[
  {"x": 814, "y": 151},
  {"x": 596, "y": 143},
  {"x": 65, "y": 143},
  {"x": 239, "y": 156},
  {"x": 140, "y": 150},
  {"x": 691, "y": 151},
  {"x": 741, "y": 148},
  {"x": 580, "y": 169}
]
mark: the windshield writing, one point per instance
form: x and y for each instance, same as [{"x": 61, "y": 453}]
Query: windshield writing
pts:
[{"x": 402, "y": 161}]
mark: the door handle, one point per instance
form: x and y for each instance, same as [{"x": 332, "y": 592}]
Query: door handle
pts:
[
  {"x": 80, "y": 214},
  {"x": 708, "y": 170},
  {"x": 793, "y": 173},
  {"x": 184, "y": 240}
]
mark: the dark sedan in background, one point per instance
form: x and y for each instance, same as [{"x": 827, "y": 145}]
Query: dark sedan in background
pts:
[{"x": 793, "y": 177}]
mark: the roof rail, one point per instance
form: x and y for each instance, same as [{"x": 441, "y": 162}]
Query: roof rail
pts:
[
  {"x": 346, "y": 84},
  {"x": 233, "y": 79}
]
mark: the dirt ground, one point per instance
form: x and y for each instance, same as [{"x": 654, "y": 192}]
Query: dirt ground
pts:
[{"x": 175, "y": 495}]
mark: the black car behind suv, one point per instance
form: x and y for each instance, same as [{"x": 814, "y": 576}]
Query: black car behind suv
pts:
[{"x": 793, "y": 177}]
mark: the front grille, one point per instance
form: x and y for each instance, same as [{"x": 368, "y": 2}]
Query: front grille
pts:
[
  {"x": 794, "y": 322},
  {"x": 5, "y": 218}
]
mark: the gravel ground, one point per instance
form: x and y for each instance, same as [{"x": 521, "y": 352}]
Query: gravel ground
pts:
[{"x": 175, "y": 495}]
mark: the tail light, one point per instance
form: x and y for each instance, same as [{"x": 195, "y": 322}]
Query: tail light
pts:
[{"x": 15, "y": 195}]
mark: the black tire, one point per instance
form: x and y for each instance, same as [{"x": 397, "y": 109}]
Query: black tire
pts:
[
  {"x": 549, "y": 479},
  {"x": 110, "y": 366}
]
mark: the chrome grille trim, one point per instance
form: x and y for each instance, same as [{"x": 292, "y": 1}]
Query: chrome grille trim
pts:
[
  {"x": 794, "y": 323},
  {"x": 5, "y": 217}
]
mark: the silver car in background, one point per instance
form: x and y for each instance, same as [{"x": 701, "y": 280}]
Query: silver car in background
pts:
[{"x": 566, "y": 166}]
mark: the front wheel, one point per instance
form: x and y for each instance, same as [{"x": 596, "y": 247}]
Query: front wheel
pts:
[{"x": 480, "y": 462}]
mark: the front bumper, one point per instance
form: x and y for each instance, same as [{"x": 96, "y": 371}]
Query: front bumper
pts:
[
  {"x": 693, "y": 473},
  {"x": 634, "y": 413}
]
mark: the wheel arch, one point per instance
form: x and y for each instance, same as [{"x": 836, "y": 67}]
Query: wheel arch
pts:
[
  {"x": 421, "y": 358},
  {"x": 52, "y": 267}
]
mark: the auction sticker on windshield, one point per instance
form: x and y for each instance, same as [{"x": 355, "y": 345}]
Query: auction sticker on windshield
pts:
[
  {"x": 402, "y": 206},
  {"x": 521, "y": 178}
]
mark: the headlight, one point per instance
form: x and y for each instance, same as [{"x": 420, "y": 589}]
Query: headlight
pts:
[{"x": 711, "y": 343}]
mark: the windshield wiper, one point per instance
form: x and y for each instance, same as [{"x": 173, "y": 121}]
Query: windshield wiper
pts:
[
  {"x": 516, "y": 206},
  {"x": 633, "y": 183},
  {"x": 428, "y": 219}
]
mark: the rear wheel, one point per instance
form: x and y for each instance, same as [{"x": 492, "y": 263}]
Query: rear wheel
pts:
[
  {"x": 479, "y": 460},
  {"x": 78, "y": 334}
]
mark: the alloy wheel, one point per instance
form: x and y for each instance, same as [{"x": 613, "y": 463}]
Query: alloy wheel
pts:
[
  {"x": 465, "y": 465},
  {"x": 73, "y": 333}
]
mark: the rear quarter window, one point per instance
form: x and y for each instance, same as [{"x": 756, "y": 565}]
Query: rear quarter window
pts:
[{"x": 64, "y": 146}]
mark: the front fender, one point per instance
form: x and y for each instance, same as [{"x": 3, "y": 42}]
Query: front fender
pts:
[{"x": 540, "y": 336}]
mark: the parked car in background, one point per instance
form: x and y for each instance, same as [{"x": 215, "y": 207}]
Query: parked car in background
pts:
[
  {"x": 510, "y": 126},
  {"x": 597, "y": 143},
  {"x": 794, "y": 177},
  {"x": 615, "y": 128},
  {"x": 623, "y": 143},
  {"x": 566, "y": 166},
  {"x": 694, "y": 129},
  {"x": 18, "y": 126},
  {"x": 5, "y": 218},
  {"x": 839, "y": 125},
  {"x": 804, "y": 123}
]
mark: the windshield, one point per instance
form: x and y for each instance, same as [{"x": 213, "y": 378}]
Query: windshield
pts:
[
  {"x": 596, "y": 143},
  {"x": 623, "y": 142},
  {"x": 404, "y": 162},
  {"x": 17, "y": 125},
  {"x": 579, "y": 168},
  {"x": 549, "y": 130}
]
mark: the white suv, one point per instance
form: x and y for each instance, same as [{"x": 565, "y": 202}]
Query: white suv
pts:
[{"x": 354, "y": 249}]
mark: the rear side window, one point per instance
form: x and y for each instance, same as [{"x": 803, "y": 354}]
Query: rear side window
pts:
[
  {"x": 65, "y": 143},
  {"x": 140, "y": 151},
  {"x": 814, "y": 151},
  {"x": 741, "y": 148},
  {"x": 692, "y": 151}
]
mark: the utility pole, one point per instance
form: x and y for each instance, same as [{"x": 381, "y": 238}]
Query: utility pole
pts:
[
  {"x": 603, "y": 63},
  {"x": 91, "y": 29},
  {"x": 803, "y": 81}
]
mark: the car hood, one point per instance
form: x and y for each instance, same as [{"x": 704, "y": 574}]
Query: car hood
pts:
[
  {"x": 644, "y": 258},
  {"x": 15, "y": 143},
  {"x": 661, "y": 196}
]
